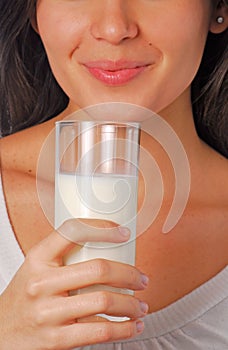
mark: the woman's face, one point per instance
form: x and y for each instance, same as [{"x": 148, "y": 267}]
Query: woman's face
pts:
[{"x": 145, "y": 52}]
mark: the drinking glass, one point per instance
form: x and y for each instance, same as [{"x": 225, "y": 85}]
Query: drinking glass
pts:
[{"x": 96, "y": 177}]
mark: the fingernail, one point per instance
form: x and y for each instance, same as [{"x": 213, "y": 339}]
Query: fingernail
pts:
[
  {"x": 144, "y": 307},
  {"x": 125, "y": 232},
  {"x": 139, "y": 326},
  {"x": 144, "y": 280}
]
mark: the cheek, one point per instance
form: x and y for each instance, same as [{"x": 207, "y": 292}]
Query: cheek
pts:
[
  {"x": 181, "y": 39},
  {"x": 185, "y": 24},
  {"x": 181, "y": 35},
  {"x": 60, "y": 30}
]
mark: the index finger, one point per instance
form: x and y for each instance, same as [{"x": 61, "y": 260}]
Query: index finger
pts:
[{"x": 75, "y": 231}]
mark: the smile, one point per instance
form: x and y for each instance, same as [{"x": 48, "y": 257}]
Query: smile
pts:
[{"x": 115, "y": 73}]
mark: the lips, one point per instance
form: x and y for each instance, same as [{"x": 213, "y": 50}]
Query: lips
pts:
[{"x": 115, "y": 73}]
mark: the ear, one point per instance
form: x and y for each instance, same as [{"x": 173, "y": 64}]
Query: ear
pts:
[
  {"x": 33, "y": 20},
  {"x": 34, "y": 25},
  {"x": 220, "y": 11}
]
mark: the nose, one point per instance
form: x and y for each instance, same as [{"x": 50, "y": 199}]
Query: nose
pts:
[{"x": 114, "y": 23}]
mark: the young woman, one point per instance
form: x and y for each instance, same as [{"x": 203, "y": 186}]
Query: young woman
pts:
[{"x": 61, "y": 55}]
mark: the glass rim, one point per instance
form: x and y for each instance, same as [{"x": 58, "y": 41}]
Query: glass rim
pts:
[{"x": 118, "y": 123}]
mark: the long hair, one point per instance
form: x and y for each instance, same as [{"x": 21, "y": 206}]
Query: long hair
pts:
[
  {"x": 29, "y": 93},
  {"x": 210, "y": 94}
]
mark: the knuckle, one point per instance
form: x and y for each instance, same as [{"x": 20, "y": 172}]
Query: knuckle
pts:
[
  {"x": 135, "y": 303},
  {"x": 68, "y": 225},
  {"x": 33, "y": 287},
  {"x": 106, "y": 332},
  {"x": 104, "y": 300},
  {"x": 133, "y": 306},
  {"x": 40, "y": 316},
  {"x": 69, "y": 228},
  {"x": 53, "y": 340},
  {"x": 129, "y": 332},
  {"x": 133, "y": 278},
  {"x": 101, "y": 269}
]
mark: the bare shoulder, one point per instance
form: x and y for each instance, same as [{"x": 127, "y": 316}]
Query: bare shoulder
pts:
[
  {"x": 16, "y": 148},
  {"x": 209, "y": 213},
  {"x": 20, "y": 151},
  {"x": 214, "y": 182}
]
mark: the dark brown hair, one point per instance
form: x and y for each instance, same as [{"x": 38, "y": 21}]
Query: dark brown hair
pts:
[{"x": 29, "y": 93}]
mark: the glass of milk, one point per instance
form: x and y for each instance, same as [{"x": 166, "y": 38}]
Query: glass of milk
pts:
[{"x": 96, "y": 177}]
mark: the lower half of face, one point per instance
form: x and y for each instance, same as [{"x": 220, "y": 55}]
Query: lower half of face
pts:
[{"x": 135, "y": 51}]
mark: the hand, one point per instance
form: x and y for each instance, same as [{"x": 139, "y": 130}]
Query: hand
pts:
[{"x": 37, "y": 313}]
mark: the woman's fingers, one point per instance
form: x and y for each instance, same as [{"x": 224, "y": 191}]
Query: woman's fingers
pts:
[
  {"x": 46, "y": 282},
  {"x": 47, "y": 314},
  {"x": 73, "y": 231},
  {"x": 92, "y": 272},
  {"x": 75, "y": 307},
  {"x": 51, "y": 248},
  {"x": 79, "y": 334},
  {"x": 93, "y": 230}
]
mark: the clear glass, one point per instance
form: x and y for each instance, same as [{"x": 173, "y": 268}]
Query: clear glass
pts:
[{"x": 96, "y": 177}]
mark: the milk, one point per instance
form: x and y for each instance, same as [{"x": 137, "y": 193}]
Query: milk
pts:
[{"x": 110, "y": 197}]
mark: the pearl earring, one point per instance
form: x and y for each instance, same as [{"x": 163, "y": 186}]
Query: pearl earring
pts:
[{"x": 220, "y": 20}]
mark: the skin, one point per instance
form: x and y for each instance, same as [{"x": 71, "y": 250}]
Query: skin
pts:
[
  {"x": 179, "y": 262},
  {"x": 75, "y": 32}
]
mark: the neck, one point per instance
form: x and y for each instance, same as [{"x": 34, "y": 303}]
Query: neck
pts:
[
  {"x": 175, "y": 128},
  {"x": 179, "y": 116}
]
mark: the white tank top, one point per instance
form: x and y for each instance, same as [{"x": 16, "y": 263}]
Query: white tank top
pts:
[{"x": 198, "y": 321}]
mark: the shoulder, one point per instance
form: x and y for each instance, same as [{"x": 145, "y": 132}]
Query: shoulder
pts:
[
  {"x": 211, "y": 179},
  {"x": 20, "y": 151},
  {"x": 207, "y": 212}
]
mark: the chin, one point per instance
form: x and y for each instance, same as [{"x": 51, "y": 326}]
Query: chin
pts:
[{"x": 85, "y": 103}]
